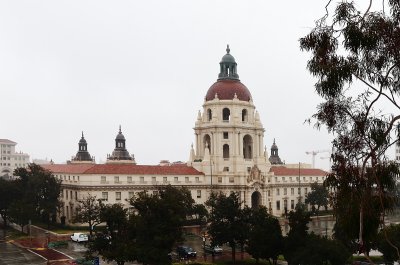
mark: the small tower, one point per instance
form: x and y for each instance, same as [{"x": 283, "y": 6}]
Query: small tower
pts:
[
  {"x": 82, "y": 156},
  {"x": 120, "y": 154},
  {"x": 274, "y": 158}
]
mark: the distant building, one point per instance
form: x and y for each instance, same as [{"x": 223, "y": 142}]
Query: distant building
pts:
[
  {"x": 229, "y": 155},
  {"x": 10, "y": 160}
]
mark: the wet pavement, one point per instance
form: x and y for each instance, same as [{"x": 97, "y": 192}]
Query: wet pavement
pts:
[{"x": 13, "y": 255}]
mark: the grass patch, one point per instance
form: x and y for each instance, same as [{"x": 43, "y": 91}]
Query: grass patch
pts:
[
  {"x": 228, "y": 262},
  {"x": 375, "y": 259},
  {"x": 12, "y": 234}
]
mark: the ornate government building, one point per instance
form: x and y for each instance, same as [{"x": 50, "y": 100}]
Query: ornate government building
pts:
[{"x": 229, "y": 155}]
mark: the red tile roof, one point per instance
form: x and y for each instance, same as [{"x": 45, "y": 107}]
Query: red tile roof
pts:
[
  {"x": 226, "y": 89},
  {"x": 284, "y": 171},
  {"x": 127, "y": 169}
]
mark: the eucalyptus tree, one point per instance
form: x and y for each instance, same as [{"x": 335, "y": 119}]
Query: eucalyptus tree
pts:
[{"x": 355, "y": 57}]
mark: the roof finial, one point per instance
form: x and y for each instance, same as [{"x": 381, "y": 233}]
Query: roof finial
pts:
[
  {"x": 120, "y": 129},
  {"x": 82, "y": 134},
  {"x": 227, "y": 49},
  {"x": 274, "y": 140}
]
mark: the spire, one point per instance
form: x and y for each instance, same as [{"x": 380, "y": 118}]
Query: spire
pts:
[
  {"x": 120, "y": 129},
  {"x": 228, "y": 67},
  {"x": 82, "y": 135}
]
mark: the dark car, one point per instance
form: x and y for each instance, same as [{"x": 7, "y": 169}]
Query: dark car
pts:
[
  {"x": 186, "y": 252},
  {"x": 215, "y": 250}
]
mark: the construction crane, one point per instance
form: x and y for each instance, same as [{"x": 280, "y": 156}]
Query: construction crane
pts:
[{"x": 314, "y": 153}]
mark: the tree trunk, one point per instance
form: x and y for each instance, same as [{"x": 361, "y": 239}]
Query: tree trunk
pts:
[{"x": 233, "y": 254}]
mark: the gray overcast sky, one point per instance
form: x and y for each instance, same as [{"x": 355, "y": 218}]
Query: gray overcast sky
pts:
[{"x": 72, "y": 66}]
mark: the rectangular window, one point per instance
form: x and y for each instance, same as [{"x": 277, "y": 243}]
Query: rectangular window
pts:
[
  {"x": 269, "y": 193},
  {"x": 103, "y": 179},
  {"x": 104, "y": 196},
  {"x": 76, "y": 195},
  {"x": 291, "y": 191},
  {"x": 226, "y": 135},
  {"x": 277, "y": 191},
  {"x": 186, "y": 179},
  {"x": 118, "y": 195},
  {"x": 298, "y": 191},
  {"x": 73, "y": 178},
  {"x": 292, "y": 204},
  {"x": 153, "y": 179},
  {"x": 66, "y": 194},
  {"x": 283, "y": 178},
  {"x": 198, "y": 193},
  {"x": 231, "y": 179},
  {"x": 70, "y": 194},
  {"x": 129, "y": 179},
  {"x": 285, "y": 191},
  {"x": 278, "y": 205},
  {"x": 141, "y": 179},
  {"x": 165, "y": 179},
  {"x": 116, "y": 179},
  {"x": 175, "y": 179},
  {"x": 305, "y": 190},
  {"x": 219, "y": 179},
  {"x": 226, "y": 169},
  {"x": 197, "y": 179}
]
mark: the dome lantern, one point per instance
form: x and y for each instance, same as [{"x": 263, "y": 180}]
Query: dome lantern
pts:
[{"x": 228, "y": 67}]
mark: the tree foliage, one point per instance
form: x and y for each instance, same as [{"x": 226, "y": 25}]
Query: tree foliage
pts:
[
  {"x": 265, "y": 239},
  {"x": 384, "y": 246},
  {"x": 88, "y": 211},
  {"x": 226, "y": 220},
  {"x": 117, "y": 241},
  {"x": 8, "y": 195},
  {"x": 158, "y": 219},
  {"x": 318, "y": 196},
  {"x": 356, "y": 59},
  {"x": 41, "y": 189}
]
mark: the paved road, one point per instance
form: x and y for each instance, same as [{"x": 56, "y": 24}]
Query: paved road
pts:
[{"x": 13, "y": 255}]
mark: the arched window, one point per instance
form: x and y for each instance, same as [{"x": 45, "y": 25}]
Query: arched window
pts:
[
  {"x": 226, "y": 114},
  {"x": 247, "y": 147},
  {"x": 209, "y": 115},
  {"x": 225, "y": 151},
  {"x": 207, "y": 141},
  {"x": 244, "y": 115}
]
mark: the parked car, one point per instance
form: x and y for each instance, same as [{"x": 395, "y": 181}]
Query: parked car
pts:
[
  {"x": 215, "y": 250},
  {"x": 79, "y": 237},
  {"x": 186, "y": 252}
]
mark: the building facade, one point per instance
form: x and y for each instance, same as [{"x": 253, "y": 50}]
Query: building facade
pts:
[
  {"x": 229, "y": 155},
  {"x": 10, "y": 159}
]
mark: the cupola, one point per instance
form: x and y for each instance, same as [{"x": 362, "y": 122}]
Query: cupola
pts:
[
  {"x": 228, "y": 85},
  {"x": 82, "y": 155},
  {"x": 120, "y": 154}
]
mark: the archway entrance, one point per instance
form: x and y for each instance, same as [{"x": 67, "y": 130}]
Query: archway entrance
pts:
[{"x": 255, "y": 199}]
